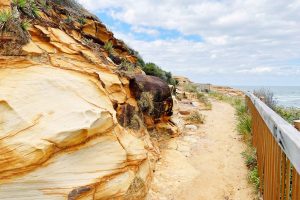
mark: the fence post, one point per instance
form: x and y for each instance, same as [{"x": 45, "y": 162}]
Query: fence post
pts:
[{"x": 297, "y": 124}]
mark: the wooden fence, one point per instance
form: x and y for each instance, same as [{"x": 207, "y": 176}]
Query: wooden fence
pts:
[{"x": 278, "y": 152}]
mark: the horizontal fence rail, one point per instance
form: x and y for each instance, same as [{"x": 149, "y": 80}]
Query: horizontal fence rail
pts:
[{"x": 278, "y": 152}]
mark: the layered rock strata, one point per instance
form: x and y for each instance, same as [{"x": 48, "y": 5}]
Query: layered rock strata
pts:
[{"x": 62, "y": 134}]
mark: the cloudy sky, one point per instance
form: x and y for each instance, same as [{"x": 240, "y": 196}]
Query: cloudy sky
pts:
[{"x": 227, "y": 42}]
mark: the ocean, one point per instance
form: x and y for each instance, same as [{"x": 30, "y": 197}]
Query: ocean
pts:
[{"x": 288, "y": 96}]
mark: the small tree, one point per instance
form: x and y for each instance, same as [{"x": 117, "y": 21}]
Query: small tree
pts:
[{"x": 266, "y": 96}]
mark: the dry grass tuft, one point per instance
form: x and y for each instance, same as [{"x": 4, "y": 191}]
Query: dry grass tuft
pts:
[{"x": 196, "y": 117}]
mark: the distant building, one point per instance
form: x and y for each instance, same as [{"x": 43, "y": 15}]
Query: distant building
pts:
[{"x": 204, "y": 87}]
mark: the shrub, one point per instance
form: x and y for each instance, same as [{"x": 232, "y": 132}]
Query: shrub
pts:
[
  {"x": 196, "y": 117},
  {"x": 81, "y": 21},
  {"x": 34, "y": 9},
  {"x": 126, "y": 66},
  {"x": 108, "y": 46},
  {"x": 154, "y": 70},
  {"x": 25, "y": 24},
  {"x": 68, "y": 20},
  {"x": 20, "y": 3},
  {"x": 250, "y": 157},
  {"x": 289, "y": 114},
  {"x": 253, "y": 178},
  {"x": 28, "y": 7},
  {"x": 4, "y": 16},
  {"x": 145, "y": 102},
  {"x": 267, "y": 95}
]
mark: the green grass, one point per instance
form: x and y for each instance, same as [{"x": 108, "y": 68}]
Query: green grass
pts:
[
  {"x": 190, "y": 87},
  {"x": 34, "y": 9},
  {"x": 288, "y": 113},
  {"x": 244, "y": 127},
  {"x": 28, "y": 6},
  {"x": 4, "y": 16},
  {"x": 20, "y": 3},
  {"x": 108, "y": 46},
  {"x": 203, "y": 99},
  {"x": 25, "y": 24},
  {"x": 253, "y": 177}
]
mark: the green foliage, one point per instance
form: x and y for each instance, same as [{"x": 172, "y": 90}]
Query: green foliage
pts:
[
  {"x": 289, "y": 114},
  {"x": 154, "y": 70},
  {"x": 126, "y": 66},
  {"x": 69, "y": 19},
  {"x": 244, "y": 125},
  {"x": 20, "y": 3},
  {"x": 34, "y": 9},
  {"x": 45, "y": 5},
  {"x": 196, "y": 117},
  {"x": 140, "y": 61},
  {"x": 81, "y": 21},
  {"x": 4, "y": 16},
  {"x": 25, "y": 24},
  {"x": 250, "y": 157},
  {"x": 253, "y": 177},
  {"x": 29, "y": 7},
  {"x": 108, "y": 46}
]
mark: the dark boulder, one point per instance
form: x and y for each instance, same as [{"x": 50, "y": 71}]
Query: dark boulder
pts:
[{"x": 153, "y": 96}]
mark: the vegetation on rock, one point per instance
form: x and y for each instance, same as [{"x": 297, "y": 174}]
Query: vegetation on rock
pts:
[
  {"x": 154, "y": 70},
  {"x": 57, "y": 46}
]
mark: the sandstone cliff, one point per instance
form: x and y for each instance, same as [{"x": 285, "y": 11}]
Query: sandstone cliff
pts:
[{"x": 72, "y": 112}]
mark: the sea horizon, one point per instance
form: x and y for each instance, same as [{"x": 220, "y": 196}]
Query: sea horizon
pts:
[{"x": 287, "y": 96}]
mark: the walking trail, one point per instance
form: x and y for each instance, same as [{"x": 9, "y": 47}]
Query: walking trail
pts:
[{"x": 204, "y": 163}]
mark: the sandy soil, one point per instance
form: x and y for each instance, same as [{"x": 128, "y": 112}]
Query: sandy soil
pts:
[{"x": 203, "y": 164}]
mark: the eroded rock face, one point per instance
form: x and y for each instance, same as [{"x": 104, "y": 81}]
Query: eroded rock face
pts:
[{"x": 59, "y": 133}]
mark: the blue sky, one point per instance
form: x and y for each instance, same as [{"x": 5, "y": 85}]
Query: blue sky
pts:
[
  {"x": 144, "y": 33},
  {"x": 237, "y": 42}
]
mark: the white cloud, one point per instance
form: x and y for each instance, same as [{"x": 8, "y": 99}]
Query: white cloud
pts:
[
  {"x": 238, "y": 35},
  {"x": 149, "y": 31},
  {"x": 256, "y": 70}
]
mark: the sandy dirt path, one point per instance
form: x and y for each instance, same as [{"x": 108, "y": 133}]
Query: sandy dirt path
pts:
[{"x": 204, "y": 164}]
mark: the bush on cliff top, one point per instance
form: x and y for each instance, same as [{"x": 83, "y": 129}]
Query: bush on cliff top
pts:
[
  {"x": 154, "y": 70},
  {"x": 287, "y": 113},
  {"x": 267, "y": 96}
]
